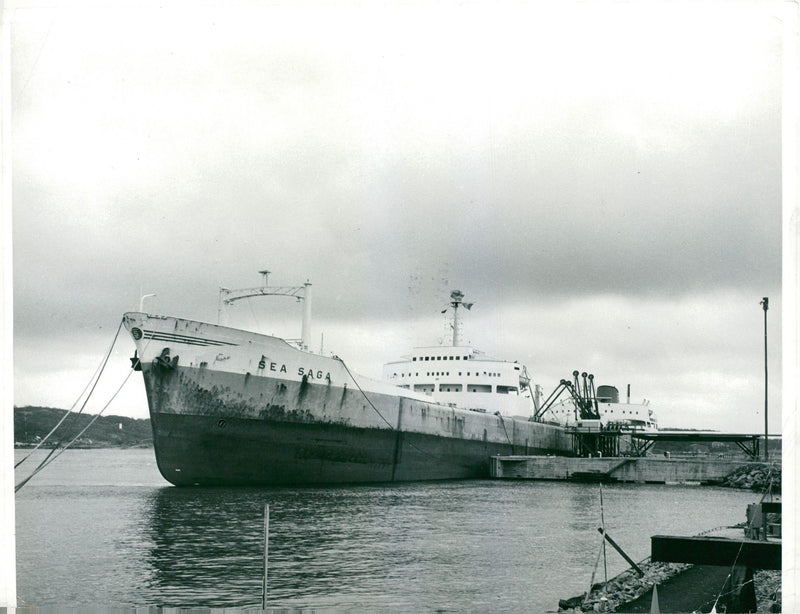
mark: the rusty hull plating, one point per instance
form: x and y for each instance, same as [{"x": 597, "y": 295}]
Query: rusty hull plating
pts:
[{"x": 230, "y": 407}]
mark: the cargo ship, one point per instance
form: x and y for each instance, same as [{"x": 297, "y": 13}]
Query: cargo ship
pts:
[{"x": 230, "y": 407}]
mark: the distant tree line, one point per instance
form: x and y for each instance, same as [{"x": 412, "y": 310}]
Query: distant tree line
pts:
[{"x": 31, "y": 424}]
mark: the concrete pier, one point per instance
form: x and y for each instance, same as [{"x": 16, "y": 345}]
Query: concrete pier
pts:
[{"x": 619, "y": 469}]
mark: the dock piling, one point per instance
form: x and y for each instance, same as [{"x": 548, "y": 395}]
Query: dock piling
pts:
[
  {"x": 594, "y": 572},
  {"x": 266, "y": 558},
  {"x": 603, "y": 526}
]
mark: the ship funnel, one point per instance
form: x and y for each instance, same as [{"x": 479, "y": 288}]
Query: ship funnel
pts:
[{"x": 607, "y": 394}]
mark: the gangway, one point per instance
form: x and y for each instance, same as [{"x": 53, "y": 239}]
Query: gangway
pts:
[{"x": 747, "y": 442}]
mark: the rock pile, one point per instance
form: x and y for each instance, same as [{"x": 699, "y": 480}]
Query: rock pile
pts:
[
  {"x": 626, "y": 587},
  {"x": 768, "y": 590},
  {"x": 629, "y": 586},
  {"x": 755, "y": 477}
]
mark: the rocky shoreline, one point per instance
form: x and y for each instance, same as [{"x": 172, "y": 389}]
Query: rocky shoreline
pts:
[
  {"x": 624, "y": 588},
  {"x": 629, "y": 586},
  {"x": 760, "y": 477}
]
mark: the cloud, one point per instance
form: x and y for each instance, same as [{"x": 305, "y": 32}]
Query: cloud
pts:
[{"x": 605, "y": 164}]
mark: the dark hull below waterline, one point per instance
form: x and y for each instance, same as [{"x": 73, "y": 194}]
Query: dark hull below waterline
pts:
[{"x": 206, "y": 451}]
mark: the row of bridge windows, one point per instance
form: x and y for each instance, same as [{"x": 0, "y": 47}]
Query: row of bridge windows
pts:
[
  {"x": 611, "y": 411},
  {"x": 445, "y": 373},
  {"x": 431, "y": 388}
]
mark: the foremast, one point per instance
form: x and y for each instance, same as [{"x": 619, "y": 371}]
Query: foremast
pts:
[{"x": 301, "y": 293}]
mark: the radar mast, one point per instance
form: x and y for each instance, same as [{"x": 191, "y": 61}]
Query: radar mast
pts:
[{"x": 456, "y": 301}]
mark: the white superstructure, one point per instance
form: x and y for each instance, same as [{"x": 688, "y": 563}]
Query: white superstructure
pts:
[
  {"x": 625, "y": 415},
  {"x": 462, "y": 376}
]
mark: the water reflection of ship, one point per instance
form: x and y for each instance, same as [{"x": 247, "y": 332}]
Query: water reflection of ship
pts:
[{"x": 206, "y": 545}]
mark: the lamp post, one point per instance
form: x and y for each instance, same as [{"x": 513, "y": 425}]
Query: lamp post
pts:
[{"x": 765, "y": 304}]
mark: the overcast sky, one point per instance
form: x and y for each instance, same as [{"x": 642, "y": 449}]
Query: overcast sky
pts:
[{"x": 602, "y": 180}]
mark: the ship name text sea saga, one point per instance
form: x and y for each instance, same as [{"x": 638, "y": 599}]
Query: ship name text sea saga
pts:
[{"x": 301, "y": 371}]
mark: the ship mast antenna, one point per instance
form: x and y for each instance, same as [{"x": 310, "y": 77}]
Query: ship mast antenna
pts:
[
  {"x": 456, "y": 300},
  {"x": 301, "y": 293}
]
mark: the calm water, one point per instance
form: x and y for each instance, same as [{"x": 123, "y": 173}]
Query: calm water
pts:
[{"x": 102, "y": 528}]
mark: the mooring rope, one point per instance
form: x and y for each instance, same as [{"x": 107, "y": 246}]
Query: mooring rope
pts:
[
  {"x": 95, "y": 378},
  {"x": 730, "y": 573},
  {"x": 391, "y": 426},
  {"x": 503, "y": 422},
  {"x": 741, "y": 545},
  {"x": 768, "y": 490},
  {"x": 728, "y": 577},
  {"x": 713, "y": 609},
  {"x": 47, "y": 460}
]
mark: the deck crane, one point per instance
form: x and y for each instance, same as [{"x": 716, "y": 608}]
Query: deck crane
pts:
[{"x": 583, "y": 394}]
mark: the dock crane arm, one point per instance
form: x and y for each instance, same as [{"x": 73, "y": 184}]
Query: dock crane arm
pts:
[
  {"x": 550, "y": 401},
  {"x": 583, "y": 396}
]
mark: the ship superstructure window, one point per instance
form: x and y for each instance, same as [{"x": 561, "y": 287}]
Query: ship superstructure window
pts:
[
  {"x": 479, "y": 388},
  {"x": 450, "y": 387}
]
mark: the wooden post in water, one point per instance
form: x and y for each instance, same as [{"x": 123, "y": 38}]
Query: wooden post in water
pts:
[
  {"x": 266, "y": 557},
  {"x": 603, "y": 525},
  {"x": 594, "y": 571}
]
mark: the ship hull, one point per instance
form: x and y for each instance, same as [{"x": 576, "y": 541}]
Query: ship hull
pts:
[
  {"x": 231, "y": 419},
  {"x": 251, "y": 453}
]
